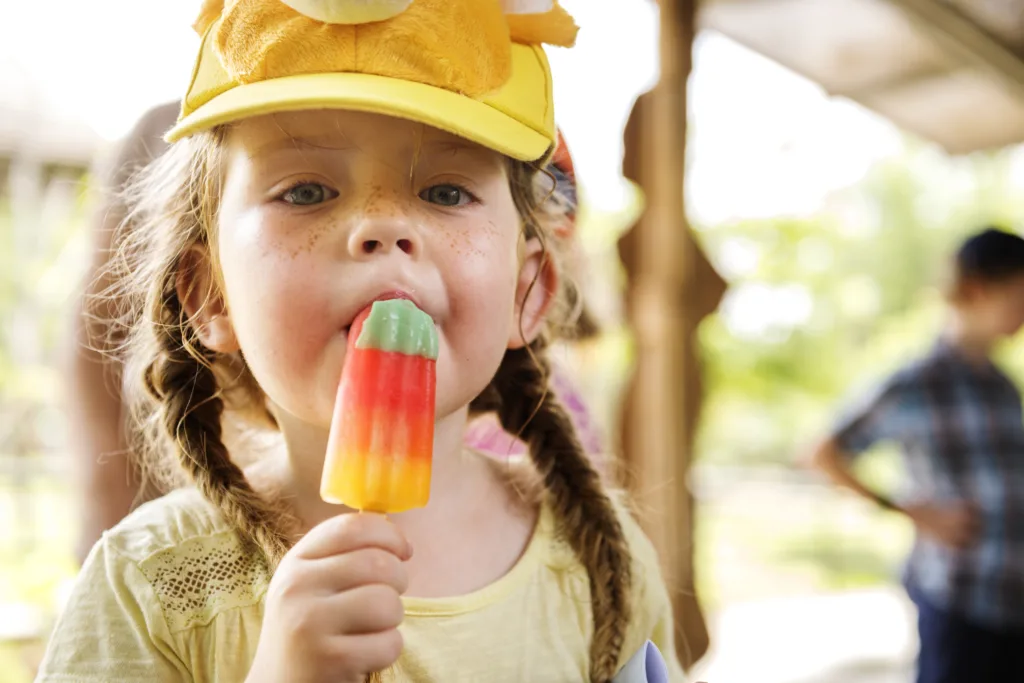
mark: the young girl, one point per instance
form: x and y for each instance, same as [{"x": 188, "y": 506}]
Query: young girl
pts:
[
  {"x": 330, "y": 154},
  {"x": 105, "y": 478}
]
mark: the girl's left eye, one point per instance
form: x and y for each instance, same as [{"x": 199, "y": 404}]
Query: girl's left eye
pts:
[
  {"x": 447, "y": 195},
  {"x": 308, "y": 194}
]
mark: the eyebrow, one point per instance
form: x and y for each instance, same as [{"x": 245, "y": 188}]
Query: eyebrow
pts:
[
  {"x": 300, "y": 143},
  {"x": 330, "y": 143},
  {"x": 455, "y": 146},
  {"x": 445, "y": 150}
]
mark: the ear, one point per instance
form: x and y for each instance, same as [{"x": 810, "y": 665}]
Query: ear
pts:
[
  {"x": 203, "y": 301},
  {"x": 971, "y": 291},
  {"x": 535, "y": 292}
]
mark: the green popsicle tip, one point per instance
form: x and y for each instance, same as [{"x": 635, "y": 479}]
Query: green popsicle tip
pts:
[{"x": 398, "y": 325}]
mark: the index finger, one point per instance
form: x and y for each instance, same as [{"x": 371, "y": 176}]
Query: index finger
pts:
[{"x": 353, "y": 531}]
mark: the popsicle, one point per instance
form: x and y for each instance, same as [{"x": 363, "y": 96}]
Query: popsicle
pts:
[{"x": 382, "y": 433}]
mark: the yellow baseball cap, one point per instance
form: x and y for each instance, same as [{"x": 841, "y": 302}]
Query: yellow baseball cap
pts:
[{"x": 474, "y": 68}]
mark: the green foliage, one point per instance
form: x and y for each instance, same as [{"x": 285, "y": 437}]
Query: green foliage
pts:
[
  {"x": 42, "y": 248},
  {"x": 821, "y": 307}
]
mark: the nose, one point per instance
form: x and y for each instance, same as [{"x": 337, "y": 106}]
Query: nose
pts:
[{"x": 378, "y": 236}]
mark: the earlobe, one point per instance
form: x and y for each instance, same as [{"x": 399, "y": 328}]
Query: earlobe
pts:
[
  {"x": 203, "y": 302},
  {"x": 535, "y": 292}
]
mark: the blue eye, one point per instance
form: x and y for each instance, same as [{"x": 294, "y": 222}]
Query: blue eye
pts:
[
  {"x": 446, "y": 195},
  {"x": 308, "y": 194}
]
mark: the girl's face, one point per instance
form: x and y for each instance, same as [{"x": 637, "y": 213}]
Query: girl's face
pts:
[{"x": 323, "y": 212}]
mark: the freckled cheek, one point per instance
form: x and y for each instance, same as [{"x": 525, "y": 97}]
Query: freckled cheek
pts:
[
  {"x": 480, "y": 268},
  {"x": 279, "y": 301}
]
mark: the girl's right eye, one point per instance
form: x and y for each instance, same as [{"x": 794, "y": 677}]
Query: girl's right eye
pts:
[{"x": 307, "y": 194}]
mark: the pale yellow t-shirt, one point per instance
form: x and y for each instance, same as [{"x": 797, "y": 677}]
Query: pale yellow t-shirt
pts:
[{"x": 169, "y": 595}]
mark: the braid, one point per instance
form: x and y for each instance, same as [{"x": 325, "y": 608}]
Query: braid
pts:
[
  {"x": 182, "y": 382},
  {"x": 526, "y": 407}
]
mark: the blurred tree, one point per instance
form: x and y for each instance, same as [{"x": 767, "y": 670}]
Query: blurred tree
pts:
[{"x": 822, "y": 305}]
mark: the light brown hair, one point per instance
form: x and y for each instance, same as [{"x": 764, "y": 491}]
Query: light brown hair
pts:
[{"x": 182, "y": 389}]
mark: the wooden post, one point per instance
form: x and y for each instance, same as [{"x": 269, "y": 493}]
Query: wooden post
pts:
[{"x": 671, "y": 288}]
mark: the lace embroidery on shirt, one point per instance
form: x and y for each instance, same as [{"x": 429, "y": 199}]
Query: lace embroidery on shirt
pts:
[{"x": 204, "y": 576}]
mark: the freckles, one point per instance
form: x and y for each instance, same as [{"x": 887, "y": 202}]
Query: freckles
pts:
[
  {"x": 292, "y": 242},
  {"x": 373, "y": 198},
  {"x": 475, "y": 241},
  {"x": 313, "y": 237},
  {"x": 464, "y": 244},
  {"x": 491, "y": 233},
  {"x": 379, "y": 203}
]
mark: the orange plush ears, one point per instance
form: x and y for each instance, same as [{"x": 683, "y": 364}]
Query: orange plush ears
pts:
[
  {"x": 208, "y": 14},
  {"x": 540, "y": 21}
]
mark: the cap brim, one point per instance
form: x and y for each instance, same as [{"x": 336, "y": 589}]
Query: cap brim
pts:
[{"x": 463, "y": 116}]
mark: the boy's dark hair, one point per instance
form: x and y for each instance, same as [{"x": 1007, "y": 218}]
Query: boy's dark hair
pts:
[{"x": 992, "y": 255}]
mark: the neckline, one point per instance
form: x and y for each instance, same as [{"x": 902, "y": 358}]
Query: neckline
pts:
[
  {"x": 949, "y": 350},
  {"x": 536, "y": 550}
]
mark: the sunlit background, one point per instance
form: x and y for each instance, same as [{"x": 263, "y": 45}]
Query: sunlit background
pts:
[{"x": 830, "y": 224}]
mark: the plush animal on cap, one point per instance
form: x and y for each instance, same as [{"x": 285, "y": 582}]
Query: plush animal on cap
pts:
[{"x": 326, "y": 53}]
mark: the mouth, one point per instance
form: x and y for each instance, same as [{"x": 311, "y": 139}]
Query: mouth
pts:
[
  {"x": 395, "y": 294},
  {"x": 384, "y": 296}
]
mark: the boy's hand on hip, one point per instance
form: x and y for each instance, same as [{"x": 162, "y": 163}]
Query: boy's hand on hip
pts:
[
  {"x": 333, "y": 607},
  {"x": 955, "y": 525}
]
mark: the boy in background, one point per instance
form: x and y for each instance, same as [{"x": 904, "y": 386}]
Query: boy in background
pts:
[{"x": 958, "y": 421}]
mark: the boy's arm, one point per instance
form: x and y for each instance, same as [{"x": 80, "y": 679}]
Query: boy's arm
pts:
[
  {"x": 952, "y": 524},
  {"x": 108, "y": 485},
  {"x": 879, "y": 416},
  {"x": 829, "y": 458}
]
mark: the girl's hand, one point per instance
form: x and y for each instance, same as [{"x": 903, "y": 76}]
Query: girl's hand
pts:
[{"x": 333, "y": 606}]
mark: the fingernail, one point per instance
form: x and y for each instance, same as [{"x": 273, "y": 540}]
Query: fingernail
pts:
[{"x": 408, "y": 549}]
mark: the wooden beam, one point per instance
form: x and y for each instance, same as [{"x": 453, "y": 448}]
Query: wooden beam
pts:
[
  {"x": 671, "y": 287},
  {"x": 892, "y": 82},
  {"x": 967, "y": 39}
]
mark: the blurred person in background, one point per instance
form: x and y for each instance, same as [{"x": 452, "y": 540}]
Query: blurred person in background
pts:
[
  {"x": 109, "y": 485},
  {"x": 958, "y": 421}
]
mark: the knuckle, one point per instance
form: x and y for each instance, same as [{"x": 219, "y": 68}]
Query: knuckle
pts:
[
  {"x": 384, "y": 604},
  {"x": 299, "y": 625},
  {"x": 348, "y": 655},
  {"x": 392, "y": 607},
  {"x": 343, "y": 525},
  {"x": 392, "y": 644},
  {"x": 277, "y": 590},
  {"x": 401, "y": 577},
  {"x": 331, "y": 655},
  {"x": 378, "y": 564},
  {"x": 359, "y": 523},
  {"x": 291, "y": 583},
  {"x": 347, "y": 526}
]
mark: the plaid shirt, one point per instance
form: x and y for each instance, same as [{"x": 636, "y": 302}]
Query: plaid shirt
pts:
[{"x": 962, "y": 436}]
